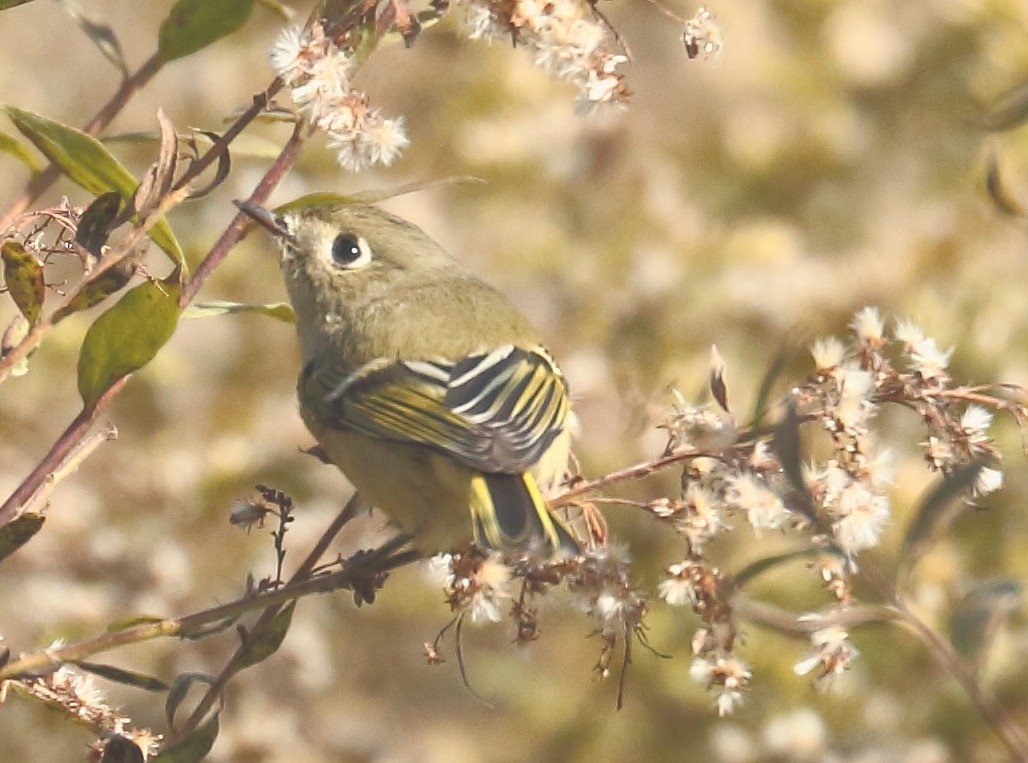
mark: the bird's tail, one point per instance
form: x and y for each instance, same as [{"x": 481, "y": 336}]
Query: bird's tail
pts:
[{"x": 510, "y": 514}]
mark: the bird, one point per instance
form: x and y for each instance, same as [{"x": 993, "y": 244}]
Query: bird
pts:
[{"x": 425, "y": 385}]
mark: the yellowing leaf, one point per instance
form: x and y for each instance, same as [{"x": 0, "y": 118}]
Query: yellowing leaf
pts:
[
  {"x": 96, "y": 290},
  {"x": 279, "y": 310},
  {"x": 127, "y": 337},
  {"x": 95, "y": 223},
  {"x": 24, "y": 278},
  {"x": 86, "y": 161},
  {"x": 192, "y": 25},
  {"x": 14, "y": 147}
]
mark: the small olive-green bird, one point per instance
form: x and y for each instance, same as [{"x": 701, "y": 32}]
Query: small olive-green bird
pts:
[{"x": 425, "y": 385}]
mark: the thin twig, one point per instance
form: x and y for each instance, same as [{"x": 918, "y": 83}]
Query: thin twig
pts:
[
  {"x": 286, "y": 158},
  {"x": 383, "y": 559},
  {"x": 302, "y": 572},
  {"x": 638, "y": 471},
  {"x": 1009, "y": 732},
  {"x": 68, "y": 465},
  {"x": 62, "y": 447},
  {"x": 458, "y": 650},
  {"x": 786, "y": 621}
]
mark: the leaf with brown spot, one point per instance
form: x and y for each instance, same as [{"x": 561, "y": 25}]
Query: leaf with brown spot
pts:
[
  {"x": 23, "y": 275},
  {"x": 96, "y": 222}
]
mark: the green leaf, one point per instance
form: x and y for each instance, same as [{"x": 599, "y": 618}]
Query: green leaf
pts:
[
  {"x": 937, "y": 510},
  {"x": 261, "y": 644},
  {"x": 752, "y": 570},
  {"x": 243, "y": 145},
  {"x": 24, "y": 278},
  {"x": 124, "y": 623},
  {"x": 179, "y": 689},
  {"x": 786, "y": 445},
  {"x": 95, "y": 223},
  {"x": 194, "y": 747},
  {"x": 127, "y": 337},
  {"x": 88, "y": 163},
  {"x": 194, "y": 24},
  {"x": 767, "y": 384},
  {"x": 279, "y": 310},
  {"x": 122, "y": 676},
  {"x": 5, "y": 4},
  {"x": 18, "y": 532},
  {"x": 978, "y": 617},
  {"x": 102, "y": 36},
  {"x": 14, "y": 147}
]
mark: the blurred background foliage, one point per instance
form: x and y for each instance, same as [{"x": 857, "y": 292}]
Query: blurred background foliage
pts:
[{"x": 831, "y": 156}]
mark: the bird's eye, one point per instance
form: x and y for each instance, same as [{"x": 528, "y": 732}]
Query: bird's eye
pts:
[{"x": 350, "y": 251}]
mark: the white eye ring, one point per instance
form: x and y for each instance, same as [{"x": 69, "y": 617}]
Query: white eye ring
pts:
[{"x": 349, "y": 251}]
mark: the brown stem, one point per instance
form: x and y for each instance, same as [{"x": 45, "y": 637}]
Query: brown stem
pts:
[
  {"x": 80, "y": 426},
  {"x": 76, "y": 456},
  {"x": 783, "y": 620},
  {"x": 65, "y": 444},
  {"x": 384, "y": 559},
  {"x": 944, "y": 654},
  {"x": 637, "y": 471},
  {"x": 234, "y": 232},
  {"x": 220, "y": 146},
  {"x": 1009, "y": 732}
]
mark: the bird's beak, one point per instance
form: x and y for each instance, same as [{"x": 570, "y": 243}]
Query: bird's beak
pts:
[{"x": 265, "y": 218}]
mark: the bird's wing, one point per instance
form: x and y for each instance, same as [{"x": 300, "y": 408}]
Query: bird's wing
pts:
[{"x": 494, "y": 412}]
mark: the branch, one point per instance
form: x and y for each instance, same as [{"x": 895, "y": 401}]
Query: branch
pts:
[
  {"x": 638, "y": 471},
  {"x": 69, "y": 465},
  {"x": 298, "y": 581},
  {"x": 82, "y": 423},
  {"x": 786, "y": 621},
  {"x": 288, "y": 156},
  {"x": 58, "y": 455},
  {"x": 356, "y": 569},
  {"x": 1009, "y": 732}
]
